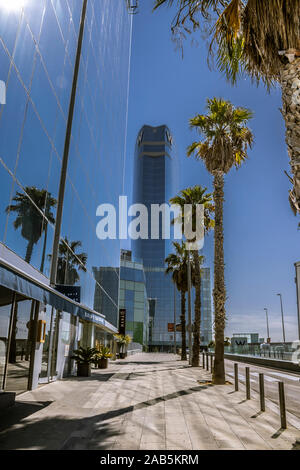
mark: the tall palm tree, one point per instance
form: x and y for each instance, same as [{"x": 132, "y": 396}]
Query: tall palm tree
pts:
[
  {"x": 195, "y": 196},
  {"x": 177, "y": 265},
  {"x": 226, "y": 139},
  {"x": 261, "y": 39},
  {"x": 29, "y": 208},
  {"x": 69, "y": 262}
]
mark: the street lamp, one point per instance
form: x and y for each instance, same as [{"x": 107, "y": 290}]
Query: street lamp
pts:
[
  {"x": 282, "y": 319},
  {"x": 268, "y": 331},
  {"x": 189, "y": 308}
]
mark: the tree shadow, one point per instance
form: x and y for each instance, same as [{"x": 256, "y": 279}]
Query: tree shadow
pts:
[
  {"x": 296, "y": 445},
  {"x": 18, "y": 431}
]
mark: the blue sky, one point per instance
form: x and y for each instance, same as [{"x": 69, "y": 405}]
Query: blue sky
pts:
[{"x": 261, "y": 238}]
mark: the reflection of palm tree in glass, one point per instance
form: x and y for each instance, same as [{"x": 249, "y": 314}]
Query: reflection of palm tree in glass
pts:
[
  {"x": 69, "y": 262},
  {"x": 30, "y": 219}
]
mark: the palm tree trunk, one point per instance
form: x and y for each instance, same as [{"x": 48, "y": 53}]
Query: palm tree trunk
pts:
[
  {"x": 219, "y": 293},
  {"x": 197, "y": 319},
  {"x": 183, "y": 327},
  {"x": 29, "y": 251},
  {"x": 44, "y": 248},
  {"x": 290, "y": 83}
]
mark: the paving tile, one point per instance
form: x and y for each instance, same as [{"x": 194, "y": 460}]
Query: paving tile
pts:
[{"x": 159, "y": 406}]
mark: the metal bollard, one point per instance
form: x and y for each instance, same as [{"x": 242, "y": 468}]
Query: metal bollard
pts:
[
  {"x": 247, "y": 370},
  {"x": 262, "y": 392},
  {"x": 236, "y": 377},
  {"x": 207, "y": 362},
  {"x": 282, "y": 405}
]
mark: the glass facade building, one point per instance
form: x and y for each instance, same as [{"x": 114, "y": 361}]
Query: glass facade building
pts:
[
  {"x": 38, "y": 45},
  {"x": 206, "y": 307},
  {"x": 134, "y": 299},
  {"x": 155, "y": 183},
  {"x": 154, "y": 177}
]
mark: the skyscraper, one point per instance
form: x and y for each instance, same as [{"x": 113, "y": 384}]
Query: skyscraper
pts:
[{"x": 154, "y": 177}]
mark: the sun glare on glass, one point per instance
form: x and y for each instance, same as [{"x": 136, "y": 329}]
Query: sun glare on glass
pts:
[{"x": 12, "y": 5}]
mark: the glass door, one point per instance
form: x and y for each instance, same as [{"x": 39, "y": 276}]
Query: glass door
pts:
[
  {"x": 18, "y": 355},
  {"x": 6, "y": 307},
  {"x": 49, "y": 355}
]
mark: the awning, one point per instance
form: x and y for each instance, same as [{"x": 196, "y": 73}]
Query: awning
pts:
[{"x": 19, "y": 282}]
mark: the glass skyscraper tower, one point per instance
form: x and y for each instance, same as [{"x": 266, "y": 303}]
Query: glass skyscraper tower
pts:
[{"x": 154, "y": 177}]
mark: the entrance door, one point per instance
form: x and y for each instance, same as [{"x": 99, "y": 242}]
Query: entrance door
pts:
[
  {"x": 49, "y": 356},
  {"x": 19, "y": 350}
]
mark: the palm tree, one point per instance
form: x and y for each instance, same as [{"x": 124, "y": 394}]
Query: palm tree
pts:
[
  {"x": 177, "y": 265},
  {"x": 261, "y": 39},
  {"x": 225, "y": 144},
  {"x": 195, "y": 196},
  {"x": 69, "y": 262},
  {"x": 33, "y": 209}
]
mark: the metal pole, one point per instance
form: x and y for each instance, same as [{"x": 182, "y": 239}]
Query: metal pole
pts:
[
  {"x": 282, "y": 319},
  {"x": 211, "y": 363},
  {"x": 203, "y": 360},
  {"x": 64, "y": 166},
  {"x": 174, "y": 319},
  {"x": 298, "y": 297},
  {"x": 268, "y": 331},
  {"x": 189, "y": 309},
  {"x": 236, "y": 377},
  {"x": 262, "y": 392},
  {"x": 207, "y": 362},
  {"x": 247, "y": 370},
  {"x": 282, "y": 405}
]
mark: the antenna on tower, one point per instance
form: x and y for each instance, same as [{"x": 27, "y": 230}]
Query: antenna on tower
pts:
[{"x": 132, "y": 6}]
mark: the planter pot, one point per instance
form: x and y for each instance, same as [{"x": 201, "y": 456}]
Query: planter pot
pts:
[
  {"x": 103, "y": 363},
  {"x": 122, "y": 355},
  {"x": 83, "y": 370}
]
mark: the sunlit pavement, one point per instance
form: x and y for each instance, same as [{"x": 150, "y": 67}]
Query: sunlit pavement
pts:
[{"x": 147, "y": 401}]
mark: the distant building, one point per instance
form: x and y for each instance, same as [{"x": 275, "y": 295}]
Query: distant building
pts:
[
  {"x": 133, "y": 298},
  {"x": 243, "y": 339},
  {"x": 206, "y": 307}
]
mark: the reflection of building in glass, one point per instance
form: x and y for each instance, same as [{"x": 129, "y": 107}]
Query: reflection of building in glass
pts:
[
  {"x": 133, "y": 297},
  {"x": 37, "y": 58},
  {"x": 106, "y": 293}
]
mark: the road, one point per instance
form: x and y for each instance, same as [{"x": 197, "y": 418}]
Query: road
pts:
[{"x": 272, "y": 377}]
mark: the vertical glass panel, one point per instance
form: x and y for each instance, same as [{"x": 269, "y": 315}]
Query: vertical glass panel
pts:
[
  {"x": 5, "y": 311},
  {"x": 46, "y": 346},
  {"x": 20, "y": 347}
]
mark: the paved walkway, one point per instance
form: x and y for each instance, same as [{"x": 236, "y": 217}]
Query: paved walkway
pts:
[{"x": 148, "y": 401}]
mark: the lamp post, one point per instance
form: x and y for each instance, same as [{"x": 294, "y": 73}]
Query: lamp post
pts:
[
  {"x": 174, "y": 319},
  {"x": 282, "y": 319},
  {"x": 268, "y": 331},
  {"x": 189, "y": 309}
]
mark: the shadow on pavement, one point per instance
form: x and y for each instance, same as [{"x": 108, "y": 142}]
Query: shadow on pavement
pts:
[{"x": 55, "y": 432}]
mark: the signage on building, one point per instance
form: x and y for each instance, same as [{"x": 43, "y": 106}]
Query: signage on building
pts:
[
  {"x": 178, "y": 326},
  {"x": 122, "y": 321},
  {"x": 73, "y": 292},
  {"x": 170, "y": 327}
]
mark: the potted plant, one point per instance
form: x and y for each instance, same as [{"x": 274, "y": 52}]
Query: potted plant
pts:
[
  {"x": 84, "y": 358},
  {"x": 102, "y": 356},
  {"x": 123, "y": 341}
]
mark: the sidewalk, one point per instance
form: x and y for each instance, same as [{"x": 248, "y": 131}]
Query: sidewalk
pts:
[{"x": 147, "y": 401}]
